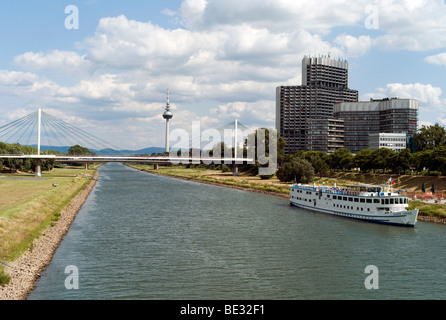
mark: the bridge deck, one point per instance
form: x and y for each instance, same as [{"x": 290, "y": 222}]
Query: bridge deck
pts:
[{"x": 148, "y": 159}]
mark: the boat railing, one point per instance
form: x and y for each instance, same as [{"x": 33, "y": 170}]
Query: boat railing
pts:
[{"x": 340, "y": 191}]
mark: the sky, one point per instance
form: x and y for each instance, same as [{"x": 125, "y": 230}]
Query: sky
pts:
[{"x": 107, "y": 68}]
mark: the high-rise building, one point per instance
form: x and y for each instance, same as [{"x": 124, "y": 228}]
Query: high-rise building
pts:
[
  {"x": 389, "y": 115},
  {"x": 324, "y": 83},
  {"x": 326, "y": 135}
]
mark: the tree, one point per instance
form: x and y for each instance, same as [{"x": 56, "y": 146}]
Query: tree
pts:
[
  {"x": 401, "y": 161},
  {"x": 77, "y": 150},
  {"x": 438, "y": 159},
  {"x": 430, "y": 137},
  {"x": 382, "y": 158},
  {"x": 297, "y": 169},
  {"x": 318, "y": 161},
  {"x": 423, "y": 160},
  {"x": 278, "y": 150},
  {"x": 363, "y": 160},
  {"x": 341, "y": 159}
]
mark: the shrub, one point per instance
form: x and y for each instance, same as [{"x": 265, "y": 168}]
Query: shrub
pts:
[
  {"x": 266, "y": 176},
  {"x": 4, "y": 277},
  {"x": 297, "y": 168}
]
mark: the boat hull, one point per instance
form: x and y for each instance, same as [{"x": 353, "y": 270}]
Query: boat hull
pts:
[{"x": 406, "y": 218}]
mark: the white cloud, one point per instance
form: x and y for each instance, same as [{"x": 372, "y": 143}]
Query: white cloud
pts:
[
  {"x": 17, "y": 78},
  {"x": 258, "y": 113},
  {"x": 411, "y": 25},
  {"x": 425, "y": 93},
  {"x": 438, "y": 59},
  {"x": 352, "y": 46},
  {"x": 55, "y": 61}
]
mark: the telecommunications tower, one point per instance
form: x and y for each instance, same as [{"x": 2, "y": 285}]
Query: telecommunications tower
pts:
[{"x": 167, "y": 115}]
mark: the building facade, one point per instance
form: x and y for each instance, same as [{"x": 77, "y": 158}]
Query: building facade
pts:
[
  {"x": 324, "y": 83},
  {"x": 362, "y": 119},
  {"x": 326, "y": 135},
  {"x": 393, "y": 141}
]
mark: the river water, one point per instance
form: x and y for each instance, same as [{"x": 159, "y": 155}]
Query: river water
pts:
[{"x": 142, "y": 236}]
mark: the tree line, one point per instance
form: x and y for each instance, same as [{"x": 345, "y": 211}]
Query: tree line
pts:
[
  {"x": 25, "y": 165},
  {"x": 29, "y": 165}
]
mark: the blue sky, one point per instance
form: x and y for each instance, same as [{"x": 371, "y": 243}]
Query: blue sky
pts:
[{"x": 221, "y": 59}]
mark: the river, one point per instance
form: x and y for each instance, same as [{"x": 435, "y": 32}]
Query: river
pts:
[{"x": 142, "y": 236}]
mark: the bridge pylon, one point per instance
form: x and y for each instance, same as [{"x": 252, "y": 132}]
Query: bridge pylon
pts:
[{"x": 38, "y": 161}]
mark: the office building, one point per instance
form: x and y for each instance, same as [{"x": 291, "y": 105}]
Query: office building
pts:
[
  {"x": 393, "y": 141},
  {"x": 326, "y": 135},
  {"x": 389, "y": 115},
  {"x": 324, "y": 83}
]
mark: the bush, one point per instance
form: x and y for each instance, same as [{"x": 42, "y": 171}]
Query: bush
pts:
[
  {"x": 266, "y": 176},
  {"x": 297, "y": 168},
  {"x": 4, "y": 277},
  {"x": 225, "y": 168}
]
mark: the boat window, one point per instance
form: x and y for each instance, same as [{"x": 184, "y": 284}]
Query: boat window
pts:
[
  {"x": 369, "y": 200},
  {"x": 397, "y": 200},
  {"x": 362, "y": 199},
  {"x": 382, "y": 201},
  {"x": 375, "y": 200},
  {"x": 328, "y": 196},
  {"x": 387, "y": 201},
  {"x": 391, "y": 201},
  {"x": 335, "y": 197},
  {"x": 344, "y": 198},
  {"x": 350, "y": 199},
  {"x": 356, "y": 200}
]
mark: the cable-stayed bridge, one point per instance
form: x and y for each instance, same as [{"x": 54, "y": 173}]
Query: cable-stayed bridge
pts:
[{"x": 42, "y": 129}]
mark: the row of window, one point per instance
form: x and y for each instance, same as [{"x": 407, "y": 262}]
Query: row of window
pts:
[
  {"x": 335, "y": 205},
  {"x": 384, "y": 201}
]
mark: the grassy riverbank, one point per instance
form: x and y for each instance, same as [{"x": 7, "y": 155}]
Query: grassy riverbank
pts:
[
  {"x": 29, "y": 205},
  {"x": 428, "y": 212}
]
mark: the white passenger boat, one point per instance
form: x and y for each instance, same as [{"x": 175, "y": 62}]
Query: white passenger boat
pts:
[{"x": 364, "y": 202}]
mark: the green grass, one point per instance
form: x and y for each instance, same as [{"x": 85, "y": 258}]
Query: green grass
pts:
[
  {"x": 28, "y": 207},
  {"x": 429, "y": 209}
]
